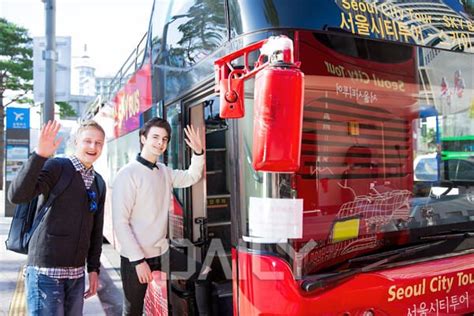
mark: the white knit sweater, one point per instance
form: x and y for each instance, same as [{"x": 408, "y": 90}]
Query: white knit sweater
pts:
[{"x": 140, "y": 202}]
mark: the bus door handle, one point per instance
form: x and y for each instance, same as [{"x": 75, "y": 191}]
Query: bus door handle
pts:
[{"x": 203, "y": 235}]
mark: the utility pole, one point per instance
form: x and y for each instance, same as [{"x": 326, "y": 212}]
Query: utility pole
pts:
[{"x": 50, "y": 56}]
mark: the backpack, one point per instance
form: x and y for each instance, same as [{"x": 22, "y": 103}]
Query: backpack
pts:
[{"x": 25, "y": 222}]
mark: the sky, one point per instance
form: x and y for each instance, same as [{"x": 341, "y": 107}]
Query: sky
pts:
[{"x": 111, "y": 29}]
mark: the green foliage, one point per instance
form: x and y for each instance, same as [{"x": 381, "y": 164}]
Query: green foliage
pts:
[
  {"x": 16, "y": 60},
  {"x": 202, "y": 31},
  {"x": 16, "y": 72},
  {"x": 430, "y": 138},
  {"x": 66, "y": 110}
]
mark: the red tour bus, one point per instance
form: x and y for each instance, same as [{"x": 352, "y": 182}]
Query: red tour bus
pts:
[{"x": 311, "y": 203}]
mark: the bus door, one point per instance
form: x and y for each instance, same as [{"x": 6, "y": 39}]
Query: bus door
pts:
[
  {"x": 185, "y": 205},
  {"x": 210, "y": 220},
  {"x": 200, "y": 217},
  {"x": 213, "y": 230}
]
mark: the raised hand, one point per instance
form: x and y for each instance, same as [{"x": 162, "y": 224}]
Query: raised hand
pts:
[
  {"x": 47, "y": 142},
  {"x": 193, "y": 139}
]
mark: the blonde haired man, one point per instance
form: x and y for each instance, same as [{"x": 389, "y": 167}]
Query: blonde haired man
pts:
[{"x": 70, "y": 234}]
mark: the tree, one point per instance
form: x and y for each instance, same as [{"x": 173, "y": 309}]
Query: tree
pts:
[
  {"x": 66, "y": 110},
  {"x": 430, "y": 139},
  {"x": 204, "y": 31},
  {"x": 16, "y": 73}
]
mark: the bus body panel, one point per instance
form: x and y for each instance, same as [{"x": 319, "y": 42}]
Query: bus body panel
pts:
[{"x": 438, "y": 287}]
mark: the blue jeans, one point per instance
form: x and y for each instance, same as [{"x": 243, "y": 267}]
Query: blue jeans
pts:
[{"x": 53, "y": 297}]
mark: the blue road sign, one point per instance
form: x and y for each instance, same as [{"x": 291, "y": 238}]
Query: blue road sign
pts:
[{"x": 18, "y": 118}]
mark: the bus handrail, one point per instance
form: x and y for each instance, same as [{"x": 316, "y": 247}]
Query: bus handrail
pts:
[
  {"x": 123, "y": 74},
  {"x": 119, "y": 80}
]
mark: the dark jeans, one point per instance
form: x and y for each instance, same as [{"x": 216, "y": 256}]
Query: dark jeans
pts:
[
  {"x": 53, "y": 297},
  {"x": 134, "y": 291}
]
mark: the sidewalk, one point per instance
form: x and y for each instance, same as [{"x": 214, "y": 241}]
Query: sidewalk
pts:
[
  {"x": 10, "y": 265},
  {"x": 107, "y": 302}
]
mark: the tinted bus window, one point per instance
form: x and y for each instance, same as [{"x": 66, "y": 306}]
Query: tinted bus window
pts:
[
  {"x": 157, "y": 23},
  {"x": 174, "y": 152},
  {"x": 185, "y": 31},
  {"x": 368, "y": 50},
  {"x": 250, "y": 15},
  {"x": 247, "y": 16},
  {"x": 121, "y": 151}
]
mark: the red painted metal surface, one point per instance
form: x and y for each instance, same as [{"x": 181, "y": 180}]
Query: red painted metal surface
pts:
[
  {"x": 278, "y": 116},
  {"x": 229, "y": 80},
  {"x": 266, "y": 286}
]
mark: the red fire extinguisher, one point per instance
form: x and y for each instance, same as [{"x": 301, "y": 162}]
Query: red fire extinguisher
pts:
[
  {"x": 278, "y": 118},
  {"x": 278, "y": 106}
]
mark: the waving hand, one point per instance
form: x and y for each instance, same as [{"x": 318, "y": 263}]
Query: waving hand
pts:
[
  {"x": 194, "y": 139},
  {"x": 47, "y": 143}
]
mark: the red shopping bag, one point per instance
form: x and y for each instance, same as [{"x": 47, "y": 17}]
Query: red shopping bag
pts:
[{"x": 156, "y": 297}]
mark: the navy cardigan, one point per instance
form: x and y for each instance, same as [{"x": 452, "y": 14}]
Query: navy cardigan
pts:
[{"x": 69, "y": 233}]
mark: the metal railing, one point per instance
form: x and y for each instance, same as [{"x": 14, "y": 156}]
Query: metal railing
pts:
[{"x": 128, "y": 68}]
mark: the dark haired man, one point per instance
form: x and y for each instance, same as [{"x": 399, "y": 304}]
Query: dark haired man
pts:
[
  {"x": 70, "y": 234},
  {"x": 141, "y": 201}
]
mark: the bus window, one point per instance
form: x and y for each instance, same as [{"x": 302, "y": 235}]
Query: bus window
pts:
[
  {"x": 174, "y": 152},
  {"x": 121, "y": 151},
  {"x": 369, "y": 50},
  {"x": 460, "y": 170},
  {"x": 193, "y": 30},
  {"x": 157, "y": 23},
  {"x": 383, "y": 154},
  {"x": 251, "y": 180}
]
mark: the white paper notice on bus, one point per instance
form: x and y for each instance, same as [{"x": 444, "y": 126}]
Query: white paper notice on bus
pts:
[{"x": 275, "y": 219}]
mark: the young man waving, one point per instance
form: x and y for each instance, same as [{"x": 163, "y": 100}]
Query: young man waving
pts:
[
  {"x": 141, "y": 201},
  {"x": 70, "y": 234}
]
